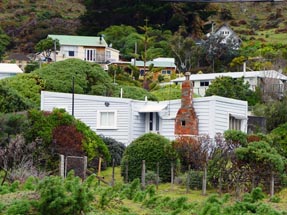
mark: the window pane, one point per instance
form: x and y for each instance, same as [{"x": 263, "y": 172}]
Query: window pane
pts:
[{"x": 107, "y": 119}]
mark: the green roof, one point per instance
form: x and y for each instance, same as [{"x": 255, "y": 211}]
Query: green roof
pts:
[
  {"x": 163, "y": 64},
  {"x": 79, "y": 40}
]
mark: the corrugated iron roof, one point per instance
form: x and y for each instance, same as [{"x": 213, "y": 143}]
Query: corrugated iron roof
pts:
[{"x": 79, "y": 40}]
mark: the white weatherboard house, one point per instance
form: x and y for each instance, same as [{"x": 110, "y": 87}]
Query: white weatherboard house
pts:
[
  {"x": 266, "y": 80},
  {"x": 88, "y": 48},
  {"x": 9, "y": 70},
  {"x": 227, "y": 34},
  {"x": 126, "y": 119}
]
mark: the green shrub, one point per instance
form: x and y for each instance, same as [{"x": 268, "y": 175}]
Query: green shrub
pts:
[
  {"x": 2, "y": 206},
  {"x": 61, "y": 197},
  {"x": 30, "y": 183},
  {"x": 275, "y": 199},
  {"x": 116, "y": 150},
  {"x": 152, "y": 148},
  {"x": 19, "y": 207}
]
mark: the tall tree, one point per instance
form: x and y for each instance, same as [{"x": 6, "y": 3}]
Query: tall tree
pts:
[
  {"x": 104, "y": 13},
  {"x": 232, "y": 88}
]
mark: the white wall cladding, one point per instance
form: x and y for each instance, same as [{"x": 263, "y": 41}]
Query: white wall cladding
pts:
[{"x": 212, "y": 112}]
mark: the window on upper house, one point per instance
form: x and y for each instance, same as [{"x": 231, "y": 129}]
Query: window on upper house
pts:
[
  {"x": 108, "y": 54},
  {"x": 204, "y": 83},
  {"x": 234, "y": 124},
  {"x": 107, "y": 119},
  {"x": 71, "y": 53},
  {"x": 166, "y": 72},
  {"x": 142, "y": 72}
]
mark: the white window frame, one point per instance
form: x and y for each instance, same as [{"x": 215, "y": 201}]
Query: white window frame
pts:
[
  {"x": 99, "y": 126},
  {"x": 235, "y": 119},
  {"x": 154, "y": 128},
  {"x": 166, "y": 72},
  {"x": 90, "y": 55},
  {"x": 108, "y": 54}
]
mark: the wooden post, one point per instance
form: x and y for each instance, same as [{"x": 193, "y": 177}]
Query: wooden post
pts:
[
  {"x": 272, "y": 184},
  {"x": 127, "y": 173},
  {"x": 85, "y": 166},
  {"x": 157, "y": 175},
  {"x": 62, "y": 166},
  {"x": 188, "y": 179},
  {"x": 237, "y": 188},
  {"x": 204, "y": 180},
  {"x": 99, "y": 166},
  {"x": 143, "y": 174},
  {"x": 220, "y": 183},
  {"x": 113, "y": 173},
  {"x": 172, "y": 175}
]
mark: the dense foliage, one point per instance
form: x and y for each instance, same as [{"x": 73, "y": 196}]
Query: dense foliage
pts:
[
  {"x": 116, "y": 150},
  {"x": 72, "y": 196},
  {"x": 232, "y": 88},
  {"x": 11, "y": 100},
  {"x": 152, "y": 148},
  {"x": 190, "y": 15},
  {"x": 59, "y": 131},
  {"x": 28, "y": 88},
  {"x": 4, "y": 42}
]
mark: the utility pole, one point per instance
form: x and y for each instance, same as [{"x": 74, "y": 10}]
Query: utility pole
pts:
[
  {"x": 73, "y": 95},
  {"x": 145, "y": 48},
  {"x": 55, "y": 50}
]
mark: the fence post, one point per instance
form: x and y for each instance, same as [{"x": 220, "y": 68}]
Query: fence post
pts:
[
  {"x": 188, "y": 179},
  {"x": 62, "y": 166},
  {"x": 85, "y": 166},
  {"x": 143, "y": 174},
  {"x": 172, "y": 175},
  {"x": 127, "y": 172},
  {"x": 272, "y": 184},
  {"x": 204, "y": 180},
  {"x": 157, "y": 175},
  {"x": 113, "y": 173},
  {"x": 99, "y": 166},
  {"x": 220, "y": 183}
]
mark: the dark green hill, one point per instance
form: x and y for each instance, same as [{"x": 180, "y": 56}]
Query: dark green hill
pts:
[{"x": 28, "y": 21}]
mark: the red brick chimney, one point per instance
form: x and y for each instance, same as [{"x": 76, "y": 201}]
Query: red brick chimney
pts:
[{"x": 186, "y": 122}]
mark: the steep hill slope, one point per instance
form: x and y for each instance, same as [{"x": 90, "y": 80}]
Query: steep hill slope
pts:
[
  {"x": 264, "y": 21},
  {"x": 28, "y": 21}
]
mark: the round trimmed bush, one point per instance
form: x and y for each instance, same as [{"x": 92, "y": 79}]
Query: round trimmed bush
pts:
[{"x": 152, "y": 148}]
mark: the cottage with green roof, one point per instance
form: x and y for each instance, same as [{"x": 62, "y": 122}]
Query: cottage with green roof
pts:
[{"x": 88, "y": 48}]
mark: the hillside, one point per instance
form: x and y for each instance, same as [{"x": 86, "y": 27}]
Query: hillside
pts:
[
  {"x": 264, "y": 21},
  {"x": 28, "y": 21}
]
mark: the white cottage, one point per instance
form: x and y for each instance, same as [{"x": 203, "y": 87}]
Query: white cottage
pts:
[
  {"x": 126, "y": 119},
  {"x": 9, "y": 70},
  {"x": 266, "y": 80}
]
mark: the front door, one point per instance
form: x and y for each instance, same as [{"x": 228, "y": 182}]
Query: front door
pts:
[{"x": 152, "y": 120}]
